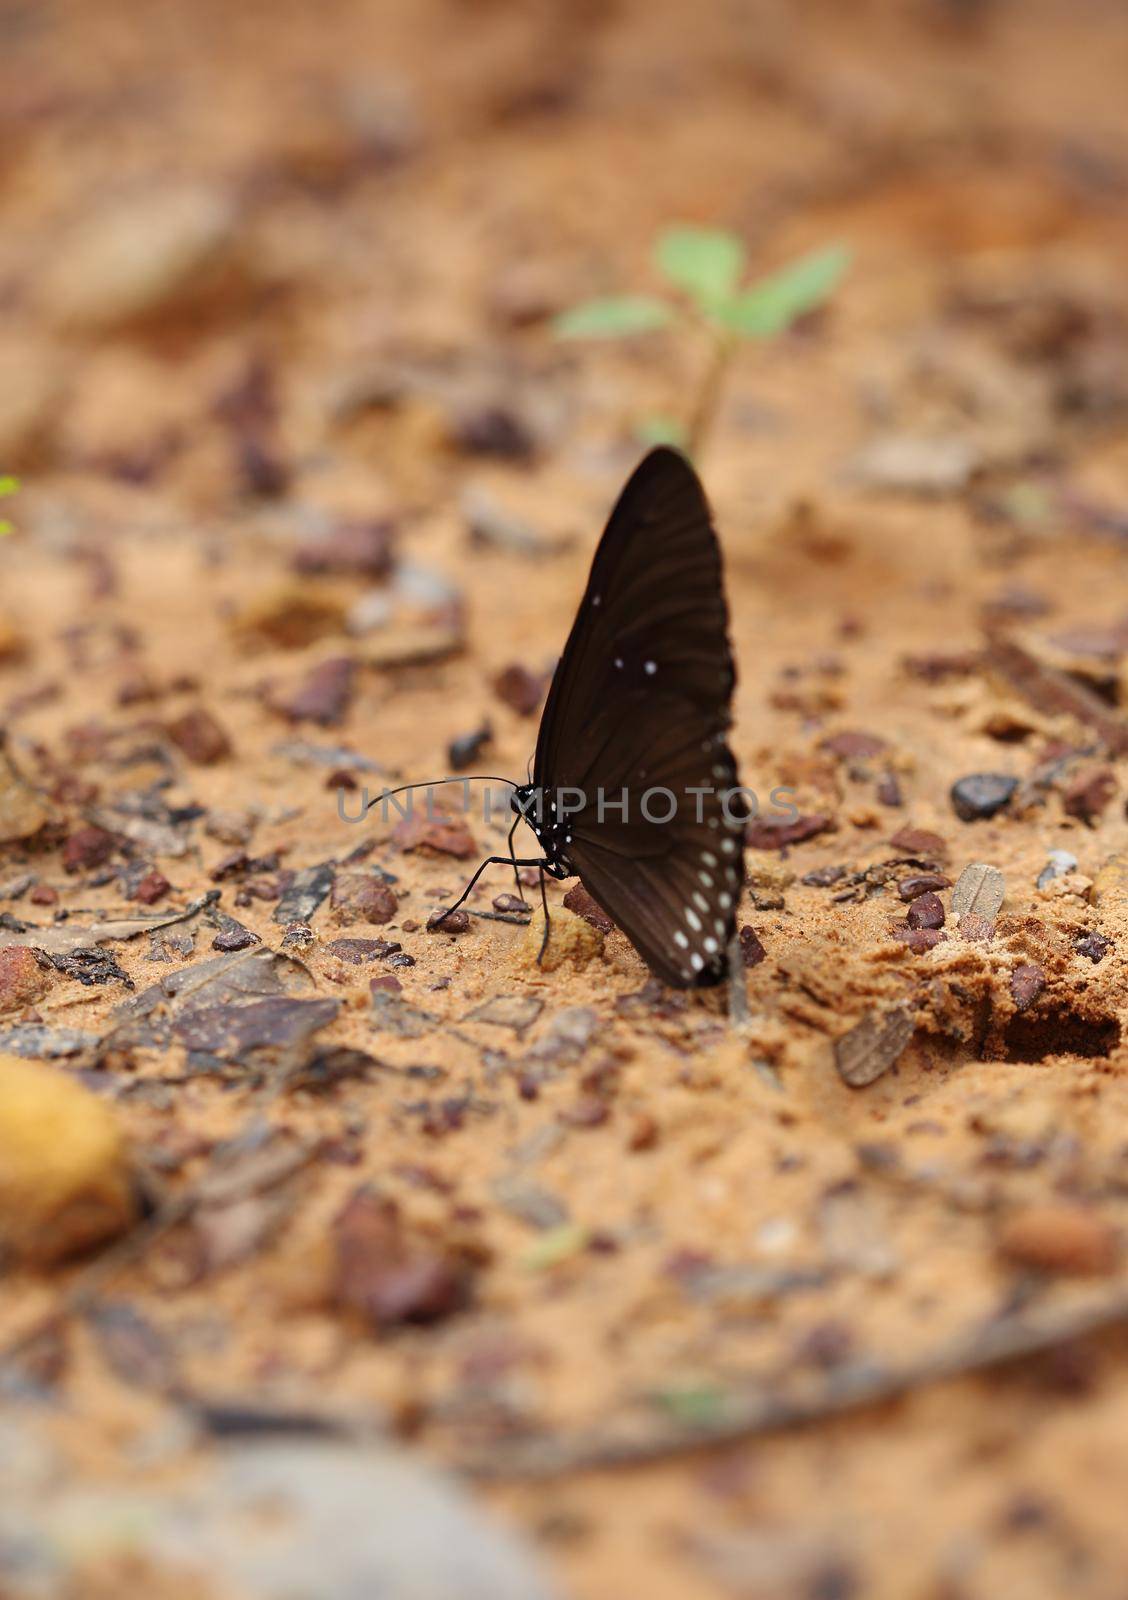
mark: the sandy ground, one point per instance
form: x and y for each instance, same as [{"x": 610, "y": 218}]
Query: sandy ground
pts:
[{"x": 594, "y": 1214}]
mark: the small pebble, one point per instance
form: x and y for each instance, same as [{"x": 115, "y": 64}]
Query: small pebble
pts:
[
  {"x": 448, "y": 922},
  {"x": 1059, "y": 1237},
  {"x": 920, "y": 843},
  {"x": 981, "y": 795},
  {"x": 853, "y": 745},
  {"x": 354, "y": 549},
  {"x": 152, "y": 887},
  {"x": 921, "y": 939},
  {"x": 921, "y": 883},
  {"x": 772, "y": 833},
  {"x": 589, "y": 1111},
  {"x": 465, "y": 750},
  {"x": 23, "y": 980},
  {"x": 510, "y": 903},
  {"x": 1026, "y": 984},
  {"x": 323, "y": 695},
  {"x": 889, "y": 790},
  {"x": 493, "y": 430},
  {"x": 823, "y": 877},
  {"x": 1058, "y": 863},
  {"x": 362, "y": 897},
  {"x": 1088, "y": 794},
  {"x": 520, "y": 689},
  {"x": 200, "y": 737},
  {"x": 88, "y": 848},
  {"x": 979, "y": 888},
  {"x": 926, "y": 911},
  {"x": 752, "y": 951},
  {"x": 1095, "y": 946}
]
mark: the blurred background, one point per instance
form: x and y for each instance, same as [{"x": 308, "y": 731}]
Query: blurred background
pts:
[{"x": 345, "y": 229}]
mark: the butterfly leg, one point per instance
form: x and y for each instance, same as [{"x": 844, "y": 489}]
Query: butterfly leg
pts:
[
  {"x": 490, "y": 861},
  {"x": 544, "y": 903},
  {"x": 513, "y": 857}
]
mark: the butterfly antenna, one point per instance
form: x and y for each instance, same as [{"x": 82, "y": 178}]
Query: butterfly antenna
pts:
[{"x": 433, "y": 783}]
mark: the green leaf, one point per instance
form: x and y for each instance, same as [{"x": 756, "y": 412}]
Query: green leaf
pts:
[
  {"x": 8, "y": 485},
  {"x": 613, "y": 318},
  {"x": 661, "y": 430},
  {"x": 772, "y": 305},
  {"x": 695, "y": 1405},
  {"x": 557, "y": 1245},
  {"x": 704, "y": 262}
]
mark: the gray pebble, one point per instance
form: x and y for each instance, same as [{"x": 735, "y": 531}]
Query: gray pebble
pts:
[
  {"x": 981, "y": 795},
  {"x": 1058, "y": 863}
]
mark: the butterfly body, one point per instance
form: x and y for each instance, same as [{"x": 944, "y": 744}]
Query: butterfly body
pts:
[{"x": 552, "y": 831}]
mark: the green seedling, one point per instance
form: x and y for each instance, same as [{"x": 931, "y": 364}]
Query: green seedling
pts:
[
  {"x": 706, "y": 267},
  {"x": 7, "y": 486}
]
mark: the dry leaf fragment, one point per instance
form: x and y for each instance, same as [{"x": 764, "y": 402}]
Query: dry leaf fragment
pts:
[
  {"x": 873, "y": 1045},
  {"x": 980, "y": 888}
]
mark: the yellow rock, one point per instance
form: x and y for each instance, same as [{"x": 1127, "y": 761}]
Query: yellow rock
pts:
[
  {"x": 1111, "y": 882},
  {"x": 13, "y": 643},
  {"x": 64, "y": 1177},
  {"x": 571, "y": 939}
]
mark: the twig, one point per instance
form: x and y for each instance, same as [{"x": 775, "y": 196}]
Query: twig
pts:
[
  {"x": 709, "y": 395},
  {"x": 739, "y": 1014},
  {"x": 755, "y": 1414},
  {"x": 740, "y": 1017}
]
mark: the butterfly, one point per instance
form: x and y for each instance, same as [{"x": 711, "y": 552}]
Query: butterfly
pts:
[{"x": 634, "y": 789}]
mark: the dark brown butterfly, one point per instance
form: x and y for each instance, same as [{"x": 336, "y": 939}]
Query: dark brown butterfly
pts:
[{"x": 639, "y": 710}]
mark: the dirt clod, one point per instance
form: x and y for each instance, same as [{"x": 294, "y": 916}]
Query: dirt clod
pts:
[
  {"x": 362, "y": 897},
  {"x": 201, "y": 737}
]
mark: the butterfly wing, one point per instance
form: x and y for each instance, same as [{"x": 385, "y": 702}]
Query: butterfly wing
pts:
[{"x": 641, "y": 702}]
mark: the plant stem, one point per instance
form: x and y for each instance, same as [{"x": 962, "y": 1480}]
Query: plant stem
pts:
[{"x": 708, "y": 400}]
